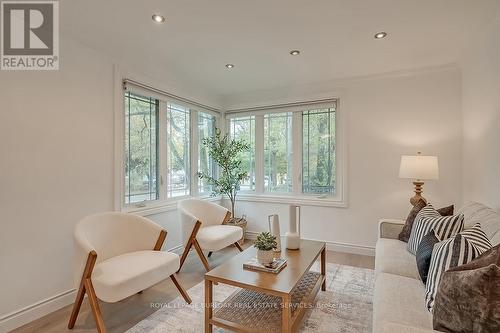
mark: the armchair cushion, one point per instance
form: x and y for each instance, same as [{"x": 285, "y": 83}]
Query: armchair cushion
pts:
[
  {"x": 125, "y": 275},
  {"x": 216, "y": 237}
]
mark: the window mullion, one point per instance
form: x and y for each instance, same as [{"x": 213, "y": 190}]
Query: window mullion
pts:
[
  {"x": 259, "y": 153},
  {"x": 162, "y": 149},
  {"x": 297, "y": 153},
  {"x": 194, "y": 167}
]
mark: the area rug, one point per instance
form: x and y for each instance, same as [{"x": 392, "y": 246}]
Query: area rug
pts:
[{"x": 346, "y": 306}]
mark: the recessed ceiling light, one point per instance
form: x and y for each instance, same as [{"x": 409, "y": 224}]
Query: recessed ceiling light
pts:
[
  {"x": 158, "y": 18},
  {"x": 229, "y": 66},
  {"x": 295, "y": 52},
  {"x": 380, "y": 35}
]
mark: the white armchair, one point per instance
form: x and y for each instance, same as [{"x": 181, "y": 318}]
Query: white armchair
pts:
[
  {"x": 203, "y": 227},
  {"x": 118, "y": 255}
]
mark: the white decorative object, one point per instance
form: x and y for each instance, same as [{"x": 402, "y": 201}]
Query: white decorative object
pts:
[
  {"x": 292, "y": 237},
  {"x": 274, "y": 229},
  {"x": 265, "y": 257}
]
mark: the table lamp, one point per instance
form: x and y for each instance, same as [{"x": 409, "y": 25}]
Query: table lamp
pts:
[{"x": 419, "y": 168}]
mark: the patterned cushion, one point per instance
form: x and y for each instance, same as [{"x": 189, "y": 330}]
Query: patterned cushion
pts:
[
  {"x": 458, "y": 250},
  {"x": 427, "y": 219},
  {"x": 404, "y": 235},
  {"x": 468, "y": 297},
  {"x": 424, "y": 254}
]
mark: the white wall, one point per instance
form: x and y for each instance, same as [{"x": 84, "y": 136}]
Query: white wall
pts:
[
  {"x": 56, "y": 166},
  {"x": 481, "y": 113},
  {"x": 386, "y": 117}
]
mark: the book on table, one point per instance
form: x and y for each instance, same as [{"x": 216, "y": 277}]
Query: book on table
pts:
[{"x": 275, "y": 267}]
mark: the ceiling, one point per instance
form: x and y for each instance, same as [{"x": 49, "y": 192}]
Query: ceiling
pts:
[{"x": 335, "y": 37}]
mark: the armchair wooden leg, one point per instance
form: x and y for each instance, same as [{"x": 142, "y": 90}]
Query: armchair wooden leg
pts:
[
  {"x": 189, "y": 243},
  {"x": 181, "y": 290},
  {"x": 184, "y": 255},
  {"x": 76, "y": 307},
  {"x": 200, "y": 254},
  {"x": 238, "y": 246},
  {"x": 94, "y": 304},
  {"x": 87, "y": 273}
]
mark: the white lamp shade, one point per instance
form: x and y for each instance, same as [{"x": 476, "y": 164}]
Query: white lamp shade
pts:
[{"x": 419, "y": 167}]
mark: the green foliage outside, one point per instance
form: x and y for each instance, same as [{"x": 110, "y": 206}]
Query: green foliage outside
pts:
[
  {"x": 265, "y": 242},
  {"x": 318, "y": 148},
  {"x": 278, "y": 152},
  {"x": 225, "y": 152},
  {"x": 140, "y": 148}
]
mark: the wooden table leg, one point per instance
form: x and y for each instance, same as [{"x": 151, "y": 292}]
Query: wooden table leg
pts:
[
  {"x": 208, "y": 305},
  {"x": 323, "y": 268},
  {"x": 286, "y": 315}
]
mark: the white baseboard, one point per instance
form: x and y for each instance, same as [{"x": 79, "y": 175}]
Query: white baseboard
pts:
[
  {"x": 37, "y": 310},
  {"x": 333, "y": 246},
  {"x": 42, "y": 308}
]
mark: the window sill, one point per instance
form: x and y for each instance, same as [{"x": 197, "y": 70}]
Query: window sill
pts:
[
  {"x": 157, "y": 207},
  {"x": 292, "y": 199}
]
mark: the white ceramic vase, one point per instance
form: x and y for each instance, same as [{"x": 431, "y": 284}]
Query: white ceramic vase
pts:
[
  {"x": 292, "y": 237},
  {"x": 274, "y": 229},
  {"x": 265, "y": 257}
]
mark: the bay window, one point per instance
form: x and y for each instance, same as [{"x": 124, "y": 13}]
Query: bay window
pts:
[{"x": 296, "y": 150}]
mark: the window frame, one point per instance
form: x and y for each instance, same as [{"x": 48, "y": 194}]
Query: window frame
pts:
[
  {"x": 196, "y": 154},
  {"x": 162, "y": 204},
  {"x": 152, "y": 101},
  {"x": 296, "y": 196}
]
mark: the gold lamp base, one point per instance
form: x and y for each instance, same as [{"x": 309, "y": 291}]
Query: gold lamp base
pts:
[{"x": 418, "y": 193}]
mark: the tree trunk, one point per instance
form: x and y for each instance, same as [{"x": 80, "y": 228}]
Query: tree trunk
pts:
[{"x": 232, "y": 206}]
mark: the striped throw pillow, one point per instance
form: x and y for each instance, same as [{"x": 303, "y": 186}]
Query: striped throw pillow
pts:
[
  {"x": 428, "y": 219},
  {"x": 455, "y": 251}
]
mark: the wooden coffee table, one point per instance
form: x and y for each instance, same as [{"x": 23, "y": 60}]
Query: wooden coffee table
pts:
[{"x": 267, "y": 302}]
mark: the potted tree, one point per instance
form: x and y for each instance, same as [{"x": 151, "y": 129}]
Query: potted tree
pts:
[
  {"x": 225, "y": 152},
  {"x": 265, "y": 244}
]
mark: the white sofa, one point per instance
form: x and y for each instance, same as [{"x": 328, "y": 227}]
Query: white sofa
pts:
[{"x": 399, "y": 296}]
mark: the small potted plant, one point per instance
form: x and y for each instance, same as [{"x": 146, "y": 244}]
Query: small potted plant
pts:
[{"x": 265, "y": 244}]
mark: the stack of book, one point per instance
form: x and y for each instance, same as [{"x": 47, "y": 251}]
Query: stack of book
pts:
[{"x": 275, "y": 267}]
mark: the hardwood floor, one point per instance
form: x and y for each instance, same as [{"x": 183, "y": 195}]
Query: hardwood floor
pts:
[{"x": 121, "y": 316}]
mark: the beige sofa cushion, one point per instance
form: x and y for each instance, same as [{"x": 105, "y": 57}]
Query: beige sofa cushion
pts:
[
  {"x": 489, "y": 219},
  {"x": 399, "y": 300},
  {"x": 392, "y": 257}
]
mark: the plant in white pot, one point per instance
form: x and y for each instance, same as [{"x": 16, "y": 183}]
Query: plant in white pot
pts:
[{"x": 265, "y": 244}]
